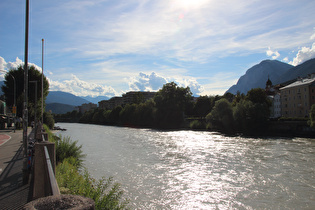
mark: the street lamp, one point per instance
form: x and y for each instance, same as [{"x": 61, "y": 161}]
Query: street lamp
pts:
[{"x": 35, "y": 123}]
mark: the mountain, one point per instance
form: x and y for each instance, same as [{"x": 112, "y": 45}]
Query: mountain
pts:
[
  {"x": 65, "y": 98},
  {"x": 57, "y": 108},
  {"x": 256, "y": 76},
  {"x": 302, "y": 70},
  {"x": 96, "y": 99}
]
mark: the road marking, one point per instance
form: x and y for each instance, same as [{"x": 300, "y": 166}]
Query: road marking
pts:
[{"x": 4, "y": 138}]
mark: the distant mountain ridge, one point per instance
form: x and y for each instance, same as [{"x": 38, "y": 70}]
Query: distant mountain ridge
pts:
[
  {"x": 277, "y": 71},
  {"x": 58, "y": 108},
  {"x": 65, "y": 98},
  {"x": 95, "y": 100},
  {"x": 59, "y": 102}
]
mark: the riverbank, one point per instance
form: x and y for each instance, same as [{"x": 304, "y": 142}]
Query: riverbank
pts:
[{"x": 275, "y": 128}]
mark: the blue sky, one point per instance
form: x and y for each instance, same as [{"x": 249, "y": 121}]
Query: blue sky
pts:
[{"x": 105, "y": 47}]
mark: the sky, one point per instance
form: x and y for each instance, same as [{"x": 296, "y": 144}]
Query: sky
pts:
[{"x": 106, "y": 48}]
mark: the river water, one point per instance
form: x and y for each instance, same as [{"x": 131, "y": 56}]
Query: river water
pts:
[{"x": 200, "y": 170}]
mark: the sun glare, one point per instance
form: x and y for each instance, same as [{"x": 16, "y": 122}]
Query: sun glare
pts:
[{"x": 191, "y": 3}]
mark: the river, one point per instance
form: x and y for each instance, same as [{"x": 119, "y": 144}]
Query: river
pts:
[{"x": 200, "y": 170}]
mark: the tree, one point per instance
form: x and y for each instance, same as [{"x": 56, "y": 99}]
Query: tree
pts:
[
  {"x": 171, "y": 102},
  {"x": 221, "y": 116},
  {"x": 49, "y": 120},
  {"x": 203, "y": 106},
  {"x": 251, "y": 113},
  {"x": 8, "y": 90},
  {"x": 258, "y": 95}
]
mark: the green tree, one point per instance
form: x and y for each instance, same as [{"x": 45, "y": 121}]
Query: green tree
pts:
[
  {"x": 229, "y": 96},
  {"x": 221, "y": 116},
  {"x": 258, "y": 95},
  {"x": 171, "y": 102},
  {"x": 203, "y": 106},
  {"x": 49, "y": 120},
  {"x": 251, "y": 113},
  {"x": 8, "y": 90}
]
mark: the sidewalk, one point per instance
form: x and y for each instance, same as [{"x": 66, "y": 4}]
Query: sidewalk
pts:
[{"x": 13, "y": 194}]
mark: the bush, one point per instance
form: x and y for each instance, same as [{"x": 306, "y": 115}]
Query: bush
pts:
[
  {"x": 197, "y": 124},
  {"x": 66, "y": 148},
  {"x": 49, "y": 120},
  {"x": 105, "y": 193}
]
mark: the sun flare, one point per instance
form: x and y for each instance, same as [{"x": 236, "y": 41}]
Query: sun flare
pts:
[{"x": 191, "y": 3}]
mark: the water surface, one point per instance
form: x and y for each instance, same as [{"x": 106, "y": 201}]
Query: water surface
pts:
[{"x": 200, "y": 170}]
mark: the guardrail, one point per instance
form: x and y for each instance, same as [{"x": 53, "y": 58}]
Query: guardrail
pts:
[
  {"x": 45, "y": 183},
  {"x": 51, "y": 175}
]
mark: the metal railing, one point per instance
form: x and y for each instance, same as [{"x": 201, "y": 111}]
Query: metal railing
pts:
[{"x": 51, "y": 175}]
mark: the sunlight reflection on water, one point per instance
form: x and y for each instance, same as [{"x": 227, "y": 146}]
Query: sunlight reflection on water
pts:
[{"x": 201, "y": 170}]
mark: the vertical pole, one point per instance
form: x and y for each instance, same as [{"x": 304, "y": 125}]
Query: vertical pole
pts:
[
  {"x": 42, "y": 81},
  {"x": 35, "y": 107},
  {"x": 14, "y": 104},
  {"x": 25, "y": 112}
]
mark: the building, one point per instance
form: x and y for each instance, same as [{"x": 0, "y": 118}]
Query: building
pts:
[
  {"x": 298, "y": 97},
  {"x": 273, "y": 94},
  {"x": 137, "y": 96},
  {"x": 275, "y": 109},
  {"x": 111, "y": 103},
  {"x": 128, "y": 98},
  {"x": 86, "y": 107}
]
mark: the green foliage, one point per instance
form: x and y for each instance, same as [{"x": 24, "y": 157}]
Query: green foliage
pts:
[
  {"x": 203, "y": 106},
  {"x": 171, "y": 102},
  {"x": 105, "y": 193},
  {"x": 49, "y": 120},
  {"x": 73, "y": 116},
  {"x": 197, "y": 124},
  {"x": 258, "y": 96},
  {"x": 312, "y": 116},
  {"x": 66, "y": 148},
  {"x": 221, "y": 117},
  {"x": 8, "y": 90}
]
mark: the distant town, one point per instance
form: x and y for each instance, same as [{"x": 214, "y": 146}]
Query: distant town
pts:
[{"x": 292, "y": 99}]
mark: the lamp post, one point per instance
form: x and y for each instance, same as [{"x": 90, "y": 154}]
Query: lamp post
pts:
[
  {"x": 25, "y": 112},
  {"x": 35, "y": 107},
  {"x": 42, "y": 81}
]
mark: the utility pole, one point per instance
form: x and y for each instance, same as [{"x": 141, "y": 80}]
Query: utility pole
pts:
[
  {"x": 25, "y": 112},
  {"x": 42, "y": 81}
]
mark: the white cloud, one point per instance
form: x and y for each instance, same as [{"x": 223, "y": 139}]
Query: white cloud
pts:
[
  {"x": 81, "y": 88},
  {"x": 303, "y": 55},
  {"x": 192, "y": 83},
  {"x": 273, "y": 54},
  {"x": 146, "y": 82},
  {"x": 286, "y": 59},
  {"x": 3, "y": 64},
  {"x": 154, "y": 82},
  {"x": 218, "y": 28},
  {"x": 14, "y": 65}
]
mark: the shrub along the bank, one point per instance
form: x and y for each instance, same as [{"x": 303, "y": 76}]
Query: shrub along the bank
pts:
[{"x": 73, "y": 178}]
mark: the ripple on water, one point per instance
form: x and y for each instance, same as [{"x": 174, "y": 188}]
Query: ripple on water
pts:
[{"x": 202, "y": 170}]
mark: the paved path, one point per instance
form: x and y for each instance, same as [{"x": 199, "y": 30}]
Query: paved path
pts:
[
  {"x": 13, "y": 194},
  {"x": 4, "y": 138}
]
